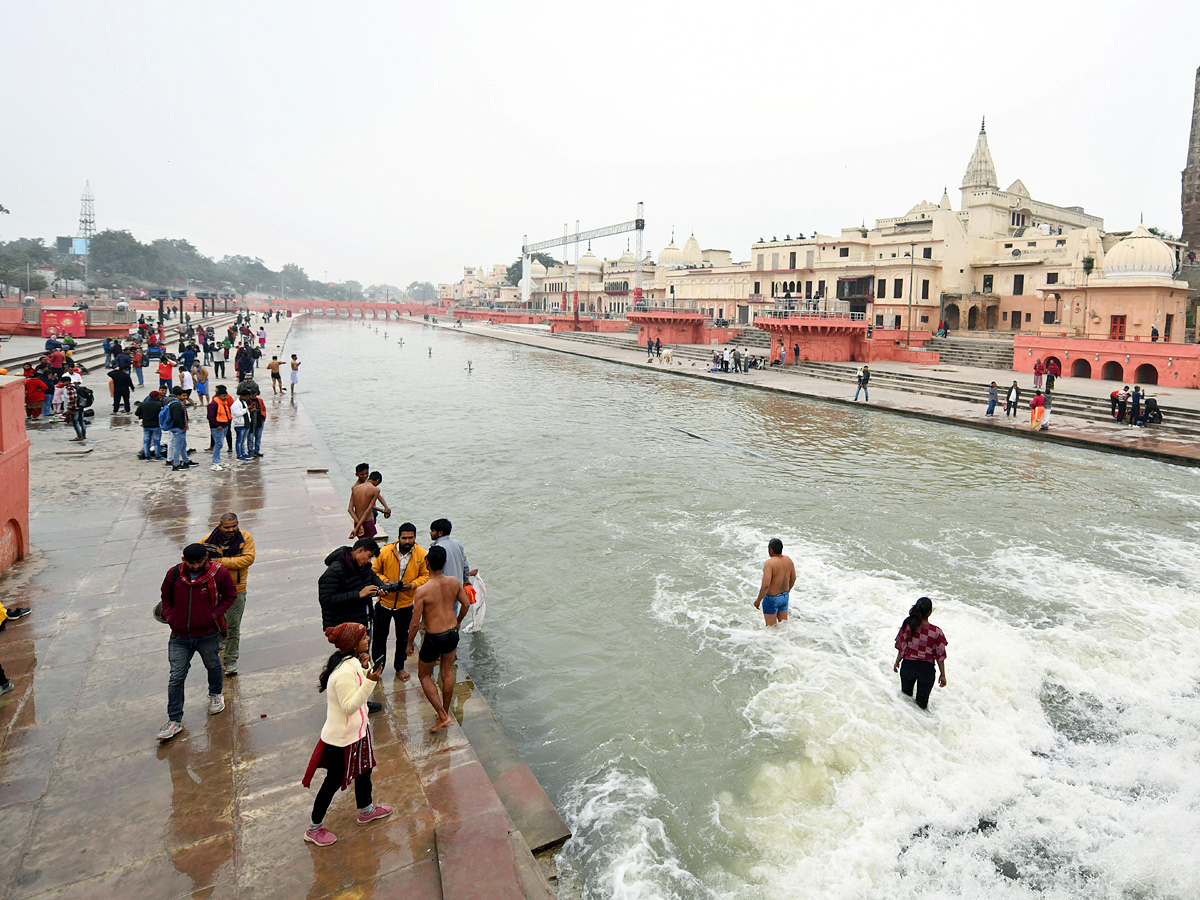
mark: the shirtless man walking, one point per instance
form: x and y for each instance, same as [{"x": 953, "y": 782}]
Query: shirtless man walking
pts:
[
  {"x": 276, "y": 378},
  {"x": 433, "y": 604},
  {"x": 779, "y": 576},
  {"x": 362, "y": 506}
]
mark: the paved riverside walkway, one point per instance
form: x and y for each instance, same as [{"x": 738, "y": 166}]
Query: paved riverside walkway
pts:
[
  {"x": 1064, "y": 429},
  {"x": 91, "y": 806}
]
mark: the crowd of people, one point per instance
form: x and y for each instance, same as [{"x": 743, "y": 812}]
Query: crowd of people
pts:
[
  {"x": 235, "y": 416},
  {"x": 364, "y": 590},
  {"x": 1128, "y": 407}
]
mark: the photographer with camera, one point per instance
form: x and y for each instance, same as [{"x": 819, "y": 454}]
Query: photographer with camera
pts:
[
  {"x": 348, "y": 586},
  {"x": 402, "y": 564}
]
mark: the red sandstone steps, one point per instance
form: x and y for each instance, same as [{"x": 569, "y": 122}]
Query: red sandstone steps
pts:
[{"x": 481, "y": 853}]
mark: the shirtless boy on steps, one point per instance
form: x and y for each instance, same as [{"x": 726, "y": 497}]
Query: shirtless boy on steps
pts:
[
  {"x": 434, "y": 605},
  {"x": 779, "y": 576}
]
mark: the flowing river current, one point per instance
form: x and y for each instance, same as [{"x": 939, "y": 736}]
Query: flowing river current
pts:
[{"x": 697, "y": 755}]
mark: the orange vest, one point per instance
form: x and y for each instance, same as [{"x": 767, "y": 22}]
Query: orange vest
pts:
[{"x": 223, "y": 404}]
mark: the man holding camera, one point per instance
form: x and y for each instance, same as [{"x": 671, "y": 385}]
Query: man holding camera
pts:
[
  {"x": 401, "y": 563},
  {"x": 347, "y": 587}
]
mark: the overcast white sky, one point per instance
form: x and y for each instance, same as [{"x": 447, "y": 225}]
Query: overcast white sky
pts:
[{"x": 393, "y": 141}]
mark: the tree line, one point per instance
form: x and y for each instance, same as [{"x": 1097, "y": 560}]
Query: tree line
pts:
[{"x": 117, "y": 257}]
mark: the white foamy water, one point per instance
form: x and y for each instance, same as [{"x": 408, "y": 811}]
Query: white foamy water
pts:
[{"x": 696, "y": 754}]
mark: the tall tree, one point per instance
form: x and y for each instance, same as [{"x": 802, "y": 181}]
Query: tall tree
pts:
[
  {"x": 513, "y": 275},
  {"x": 421, "y": 291}
]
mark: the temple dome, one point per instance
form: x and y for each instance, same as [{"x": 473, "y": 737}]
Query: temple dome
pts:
[
  {"x": 670, "y": 255},
  {"x": 589, "y": 263},
  {"x": 536, "y": 269},
  {"x": 692, "y": 254},
  {"x": 1139, "y": 254}
]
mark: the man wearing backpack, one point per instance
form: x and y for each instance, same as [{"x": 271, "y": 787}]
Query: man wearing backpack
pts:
[
  {"x": 195, "y": 597},
  {"x": 73, "y": 406},
  {"x": 173, "y": 418}
]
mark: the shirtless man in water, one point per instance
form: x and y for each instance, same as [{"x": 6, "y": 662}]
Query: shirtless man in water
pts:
[
  {"x": 363, "y": 497},
  {"x": 779, "y": 576},
  {"x": 434, "y": 604}
]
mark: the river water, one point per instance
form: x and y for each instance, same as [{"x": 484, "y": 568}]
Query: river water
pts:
[{"x": 696, "y": 754}]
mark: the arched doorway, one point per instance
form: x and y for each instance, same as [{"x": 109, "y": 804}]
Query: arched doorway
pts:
[
  {"x": 1112, "y": 371},
  {"x": 1050, "y": 359},
  {"x": 950, "y": 316},
  {"x": 993, "y": 313},
  {"x": 1081, "y": 368},
  {"x": 1146, "y": 374},
  {"x": 972, "y": 318}
]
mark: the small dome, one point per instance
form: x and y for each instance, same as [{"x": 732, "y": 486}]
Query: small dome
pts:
[
  {"x": 671, "y": 256},
  {"x": 536, "y": 269},
  {"x": 692, "y": 254},
  {"x": 588, "y": 263},
  {"x": 1139, "y": 254},
  {"x": 627, "y": 257}
]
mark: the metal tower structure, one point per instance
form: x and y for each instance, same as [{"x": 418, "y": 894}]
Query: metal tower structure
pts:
[
  {"x": 638, "y": 224},
  {"x": 87, "y": 212}
]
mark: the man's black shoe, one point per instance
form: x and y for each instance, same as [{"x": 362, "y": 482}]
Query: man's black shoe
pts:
[
  {"x": 373, "y": 707},
  {"x": 19, "y": 612}
]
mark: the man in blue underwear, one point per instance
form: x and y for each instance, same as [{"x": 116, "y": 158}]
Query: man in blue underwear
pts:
[{"x": 779, "y": 576}]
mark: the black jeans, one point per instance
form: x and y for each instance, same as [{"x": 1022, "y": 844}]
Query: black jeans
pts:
[
  {"x": 121, "y": 395},
  {"x": 918, "y": 673},
  {"x": 3, "y": 679},
  {"x": 383, "y": 625},
  {"x": 333, "y": 760},
  {"x": 219, "y": 367}
]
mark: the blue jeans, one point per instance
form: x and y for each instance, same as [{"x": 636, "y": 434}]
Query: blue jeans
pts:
[
  {"x": 79, "y": 422},
  {"x": 138, "y": 369},
  {"x": 179, "y": 652},
  {"x": 107, "y": 359},
  {"x": 239, "y": 440},
  {"x": 991, "y": 407},
  {"x": 256, "y": 439},
  {"x": 49, "y": 400},
  {"x": 218, "y": 438},
  {"x": 179, "y": 455},
  {"x": 863, "y": 388},
  {"x": 152, "y": 437}
]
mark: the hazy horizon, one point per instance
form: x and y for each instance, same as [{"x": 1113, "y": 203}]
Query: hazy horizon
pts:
[{"x": 399, "y": 142}]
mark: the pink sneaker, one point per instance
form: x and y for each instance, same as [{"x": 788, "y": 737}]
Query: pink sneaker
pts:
[
  {"x": 322, "y": 837},
  {"x": 379, "y": 812}
]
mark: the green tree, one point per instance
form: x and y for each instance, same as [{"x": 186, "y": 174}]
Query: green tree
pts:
[
  {"x": 421, "y": 291},
  {"x": 68, "y": 272},
  {"x": 120, "y": 253},
  {"x": 513, "y": 275}
]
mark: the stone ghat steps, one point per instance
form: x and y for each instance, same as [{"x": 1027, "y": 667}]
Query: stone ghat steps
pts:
[
  {"x": 1180, "y": 422},
  {"x": 984, "y": 353}
]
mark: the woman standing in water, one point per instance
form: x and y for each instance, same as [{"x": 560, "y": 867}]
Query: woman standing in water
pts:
[
  {"x": 918, "y": 646},
  {"x": 345, "y": 750}
]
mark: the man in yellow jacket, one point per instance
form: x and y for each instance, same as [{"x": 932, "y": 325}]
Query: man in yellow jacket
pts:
[
  {"x": 236, "y": 549},
  {"x": 401, "y": 562}
]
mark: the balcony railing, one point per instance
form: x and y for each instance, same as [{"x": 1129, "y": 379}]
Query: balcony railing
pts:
[{"x": 810, "y": 314}]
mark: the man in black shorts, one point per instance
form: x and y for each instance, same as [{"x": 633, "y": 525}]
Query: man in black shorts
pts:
[
  {"x": 433, "y": 604},
  {"x": 276, "y": 378}
]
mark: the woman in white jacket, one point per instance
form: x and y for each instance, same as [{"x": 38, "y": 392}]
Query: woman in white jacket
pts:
[
  {"x": 345, "y": 750},
  {"x": 239, "y": 418}
]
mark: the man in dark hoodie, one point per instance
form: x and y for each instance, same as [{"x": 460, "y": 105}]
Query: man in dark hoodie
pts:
[
  {"x": 348, "y": 586},
  {"x": 195, "y": 596},
  {"x": 147, "y": 411}
]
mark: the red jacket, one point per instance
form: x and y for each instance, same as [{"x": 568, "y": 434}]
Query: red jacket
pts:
[{"x": 194, "y": 605}]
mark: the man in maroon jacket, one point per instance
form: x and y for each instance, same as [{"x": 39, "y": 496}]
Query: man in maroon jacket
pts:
[{"x": 195, "y": 596}]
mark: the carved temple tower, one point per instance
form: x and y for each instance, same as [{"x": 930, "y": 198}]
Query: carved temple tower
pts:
[{"x": 1190, "y": 197}]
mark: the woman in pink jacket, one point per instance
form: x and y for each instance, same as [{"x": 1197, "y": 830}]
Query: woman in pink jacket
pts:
[{"x": 345, "y": 750}]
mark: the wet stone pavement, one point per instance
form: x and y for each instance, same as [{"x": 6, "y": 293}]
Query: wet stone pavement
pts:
[{"x": 92, "y": 806}]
